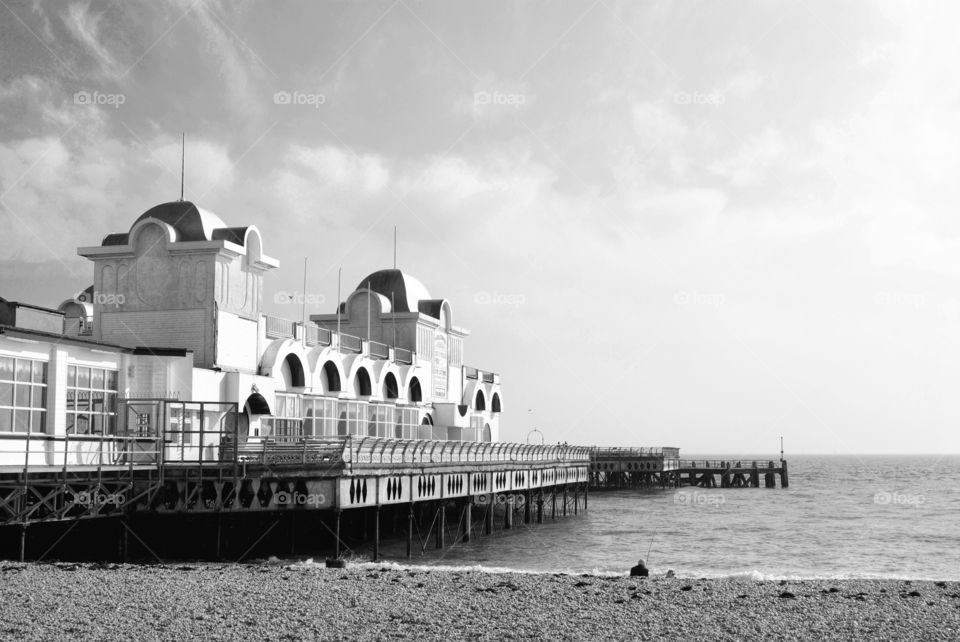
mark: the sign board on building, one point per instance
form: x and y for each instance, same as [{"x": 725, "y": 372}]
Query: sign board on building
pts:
[{"x": 439, "y": 367}]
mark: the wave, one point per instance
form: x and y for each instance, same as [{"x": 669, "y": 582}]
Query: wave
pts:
[{"x": 750, "y": 575}]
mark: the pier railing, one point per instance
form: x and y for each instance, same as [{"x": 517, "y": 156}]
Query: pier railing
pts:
[
  {"x": 378, "y": 450},
  {"x": 724, "y": 464},
  {"x": 616, "y": 452}
]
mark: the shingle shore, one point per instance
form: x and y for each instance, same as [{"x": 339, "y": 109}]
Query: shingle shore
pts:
[{"x": 293, "y": 602}]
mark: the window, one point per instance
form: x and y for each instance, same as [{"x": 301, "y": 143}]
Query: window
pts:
[
  {"x": 23, "y": 395},
  {"x": 320, "y": 417},
  {"x": 91, "y": 401},
  {"x": 286, "y": 421}
]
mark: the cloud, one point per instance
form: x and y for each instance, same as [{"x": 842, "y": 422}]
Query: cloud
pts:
[
  {"x": 753, "y": 160},
  {"x": 85, "y": 27}
]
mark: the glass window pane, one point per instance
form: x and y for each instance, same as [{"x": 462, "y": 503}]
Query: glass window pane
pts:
[
  {"x": 39, "y": 372},
  {"x": 110, "y": 403},
  {"x": 83, "y": 377},
  {"x": 83, "y": 424},
  {"x": 71, "y": 422},
  {"x": 96, "y": 424},
  {"x": 83, "y": 400},
  {"x": 111, "y": 380},
  {"x": 6, "y": 368},
  {"x": 39, "y": 396},
  {"x": 6, "y": 393},
  {"x": 38, "y": 425},
  {"x": 111, "y": 425},
  {"x": 71, "y": 375},
  {"x": 23, "y": 369},
  {"x": 23, "y": 396},
  {"x": 6, "y": 420},
  {"x": 96, "y": 378},
  {"x": 21, "y": 420},
  {"x": 96, "y": 400}
]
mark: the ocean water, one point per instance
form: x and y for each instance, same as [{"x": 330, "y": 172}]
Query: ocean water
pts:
[{"x": 841, "y": 517}]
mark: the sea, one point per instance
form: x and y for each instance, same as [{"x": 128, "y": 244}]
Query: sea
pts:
[{"x": 842, "y": 517}]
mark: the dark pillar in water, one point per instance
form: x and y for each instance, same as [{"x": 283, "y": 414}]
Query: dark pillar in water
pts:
[
  {"x": 564, "y": 500},
  {"x": 553, "y": 502},
  {"x": 488, "y": 516},
  {"x": 784, "y": 480},
  {"x": 410, "y": 532},
  {"x": 576, "y": 499},
  {"x": 122, "y": 544},
  {"x": 467, "y": 518},
  {"x": 508, "y": 514},
  {"x": 23, "y": 542},
  {"x": 540, "y": 507},
  {"x": 441, "y": 523},
  {"x": 336, "y": 533},
  {"x": 526, "y": 507},
  {"x": 586, "y": 493},
  {"x": 376, "y": 533}
]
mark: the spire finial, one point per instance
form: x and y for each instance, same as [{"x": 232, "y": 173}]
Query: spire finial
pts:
[{"x": 183, "y": 145}]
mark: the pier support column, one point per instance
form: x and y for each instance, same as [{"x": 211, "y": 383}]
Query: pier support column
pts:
[
  {"x": 467, "y": 518},
  {"x": 23, "y": 542},
  {"x": 564, "y": 500},
  {"x": 526, "y": 507},
  {"x": 508, "y": 514},
  {"x": 376, "y": 533},
  {"x": 553, "y": 502},
  {"x": 576, "y": 499},
  {"x": 488, "y": 516},
  {"x": 410, "y": 532},
  {"x": 122, "y": 543},
  {"x": 441, "y": 523},
  {"x": 784, "y": 479},
  {"x": 586, "y": 494},
  {"x": 336, "y": 533},
  {"x": 540, "y": 507}
]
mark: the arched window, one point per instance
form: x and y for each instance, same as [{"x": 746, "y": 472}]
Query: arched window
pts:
[
  {"x": 481, "y": 402},
  {"x": 416, "y": 396},
  {"x": 486, "y": 433},
  {"x": 331, "y": 377},
  {"x": 361, "y": 385},
  {"x": 292, "y": 372},
  {"x": 390, "y": 388},
  {"x": 495, "y": 402}
]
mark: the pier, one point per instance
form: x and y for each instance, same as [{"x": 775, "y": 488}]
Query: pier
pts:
[
  {"x": 355, "y": 488},
  {"x": 612, "y": 468}
]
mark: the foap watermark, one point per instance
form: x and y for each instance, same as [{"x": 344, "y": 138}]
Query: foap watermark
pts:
[
  {"x": 84, "y": 97},
  {"x": 699, "y": 98},
  {"x": 698, "y": 498},
  {"x": 499, "y": 298},
  {"x": 498, "y": 99},
  {"x": 908, "y": 299},
  {"x": 299, "y": 298},
  {"x": 297, "y": 498},
  {"x": 299, "y": 98},
  {"x": 699, "y": 298},
  {"x": 115, "y": 300},
  {"x": 899, "y": 499},
  {"x": 88, "y": 499}
]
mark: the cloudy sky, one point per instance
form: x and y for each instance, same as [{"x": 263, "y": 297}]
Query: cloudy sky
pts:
[{"x": 698, "y": 224}]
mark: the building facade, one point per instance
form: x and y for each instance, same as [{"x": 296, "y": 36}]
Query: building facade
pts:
[{"x": 175, "y": 314}]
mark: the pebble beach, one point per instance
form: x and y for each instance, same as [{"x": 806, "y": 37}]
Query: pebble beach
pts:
[{"x": 295, "y": 601}]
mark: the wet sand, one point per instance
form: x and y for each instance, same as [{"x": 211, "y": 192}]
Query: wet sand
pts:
[{"x": 307, "y": 601}]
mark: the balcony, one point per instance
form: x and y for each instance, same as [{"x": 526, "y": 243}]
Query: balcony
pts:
[
  {"x": 314, "y": 335},
  {"x": 278, "y": 328}
]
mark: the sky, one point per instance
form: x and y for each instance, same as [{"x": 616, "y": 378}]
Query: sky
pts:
[{"x": 695, "y": 224}]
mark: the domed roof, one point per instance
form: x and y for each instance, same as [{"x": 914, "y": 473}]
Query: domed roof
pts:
[
  {"x": 191, "y": 222},
  {"x": 404, "y": 291}
]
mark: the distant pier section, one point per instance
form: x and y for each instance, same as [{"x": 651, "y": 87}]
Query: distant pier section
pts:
[{"x": 612, "y": 468}]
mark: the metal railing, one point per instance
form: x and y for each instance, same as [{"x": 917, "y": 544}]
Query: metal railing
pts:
[
  {"x": 400, "y": 355},
  {"x": 315, "y": 335},
  {"x": 724, "y": 464},
  {"x": 351, "y": 343},
  {"x": 378, "y": 350},
  {"x": 666, "y": 452},
  {"x": 279, "y": 328}
]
